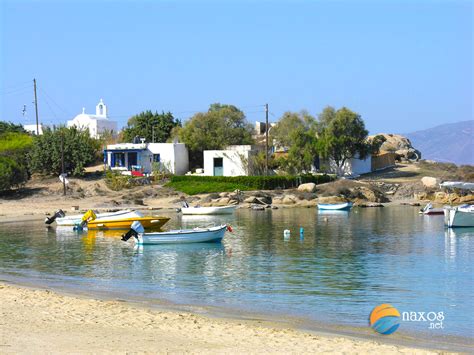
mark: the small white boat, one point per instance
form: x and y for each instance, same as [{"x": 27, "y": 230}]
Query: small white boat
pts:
[
  {"x": 208, "y": 210},
  {"x": 335, "y": 206},
  {"x": 77, "y": 219},
  {"x": 181, "y": 236},
  {"x": 430, "y": 210},
  {"x": 460, "y": 216}
]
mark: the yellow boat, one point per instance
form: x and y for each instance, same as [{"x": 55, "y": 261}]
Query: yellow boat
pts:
[{"x": 122, "y": 222}]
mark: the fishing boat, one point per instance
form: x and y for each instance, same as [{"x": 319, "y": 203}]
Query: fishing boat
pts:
[
  {"x": 180, "y": 236},
  {"x": 119, "y": 221},
  {"x": 459, "y": 216},
  {"x": 208, "y": 210},
  {"x": 335, "y": 206},
  {"x": 430, "y": 210}
]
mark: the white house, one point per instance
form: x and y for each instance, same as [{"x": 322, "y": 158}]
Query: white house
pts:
[
  {"x": 351, "y": 167},
  {"x": 234, "y": 161},
  {"x": 31, "y": 128},
  {"x": 96, "y": 124},
  {"x": 126, "y": 157}
]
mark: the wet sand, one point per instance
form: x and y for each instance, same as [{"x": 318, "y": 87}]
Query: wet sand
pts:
[{"x": 42, "y": 321}]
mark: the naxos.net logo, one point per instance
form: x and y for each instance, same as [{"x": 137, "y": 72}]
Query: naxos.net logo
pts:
[{"x": 385, "y": 319}]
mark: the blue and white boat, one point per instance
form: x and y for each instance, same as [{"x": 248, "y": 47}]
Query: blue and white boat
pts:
[
  {"x": 335, "y": 206},
  {"x": 181, "y": 236}
]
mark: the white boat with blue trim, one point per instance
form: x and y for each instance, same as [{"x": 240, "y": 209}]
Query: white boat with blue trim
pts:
[
  {"x": 335, "y": 206},
  {"x": 180, "y": 236}
]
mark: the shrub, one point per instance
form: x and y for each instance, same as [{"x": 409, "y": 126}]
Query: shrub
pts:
[
  {"x": 13, "y": 162},
  {"x": 191, "y": 184},
  {"x": 79, "y": 151},
  {"x": 11, "y": 173},
  {"x": 116, "y": 181}
]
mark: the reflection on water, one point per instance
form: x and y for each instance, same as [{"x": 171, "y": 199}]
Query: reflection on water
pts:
[{"x": 346, "y": 263}]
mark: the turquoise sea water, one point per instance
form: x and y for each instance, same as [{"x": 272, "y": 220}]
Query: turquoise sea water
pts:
[{"x": 346, "y": 264}]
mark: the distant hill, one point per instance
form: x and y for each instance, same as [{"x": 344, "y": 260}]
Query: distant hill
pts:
[{"x": 452, "y": 142}]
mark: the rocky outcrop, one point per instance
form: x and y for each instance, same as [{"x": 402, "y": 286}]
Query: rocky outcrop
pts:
[
  {"x": 309, "y": 187},
  {"x": 430, "y": 182},
  {"x": 400, "y": 145}
]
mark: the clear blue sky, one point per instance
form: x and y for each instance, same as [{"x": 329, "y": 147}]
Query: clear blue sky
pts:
[{"x": 403, "y": 65}]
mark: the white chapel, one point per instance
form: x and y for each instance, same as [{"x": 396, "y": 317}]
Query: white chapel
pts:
[{"x": 97, "y": 124}]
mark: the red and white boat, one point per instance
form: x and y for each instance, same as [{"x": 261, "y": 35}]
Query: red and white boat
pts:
[{"x": 430, "y": 210}]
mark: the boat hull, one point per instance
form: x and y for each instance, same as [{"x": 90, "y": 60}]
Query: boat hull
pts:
[
  {"x": 76, "y": 219},
  {"x": 335, "y": 206},
  {"x": 462, "y": 216},
  {"x": 197, "y": 235},
  {"x": 433, "y": 211},
  {"x": 208, "y": 210},
  {"x": 147, "y": 222}
]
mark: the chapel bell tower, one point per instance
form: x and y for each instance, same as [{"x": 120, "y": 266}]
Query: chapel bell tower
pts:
[{"x": 101, "y": 109}]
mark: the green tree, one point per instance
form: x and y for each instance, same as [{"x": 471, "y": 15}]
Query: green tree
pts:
[
  {"x": 221, "y": 126},
  {"x": 326, "y": 117},
  {"x": 154, "y": 127},
  {"x": 291, "y": 122},
  {"x": 345, "y": 137},
  {"x": 296, "y": 132},
  {"x": 80, "y": 150}
]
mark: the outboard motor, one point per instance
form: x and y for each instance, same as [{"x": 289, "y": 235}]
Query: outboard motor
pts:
[
  {"x": 57, "y": 214},
  {"x": 135, "y": 229}
]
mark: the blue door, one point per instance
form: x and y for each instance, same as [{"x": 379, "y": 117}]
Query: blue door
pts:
[{"x": 218, "y": 167}]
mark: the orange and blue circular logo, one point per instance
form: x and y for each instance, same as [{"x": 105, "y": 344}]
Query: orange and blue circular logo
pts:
[{"x": 384, "y": 319}]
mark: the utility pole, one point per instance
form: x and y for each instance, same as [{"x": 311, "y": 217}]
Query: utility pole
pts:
[
  {"x": 36, "y": 108},
  {"x": 62, "y": 164},
  {"x": 153, "y": 134},
  {"x": 266, "y": 139}
]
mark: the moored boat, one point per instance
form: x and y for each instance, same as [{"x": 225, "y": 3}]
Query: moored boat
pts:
[
  {"x": 208, "y": 210},
  {"x": 430, "y": 210},
  {"x": 119, "y": 221},
  {"x": 459, "y": 216},
  {"x": 335, "y": 206},
  {"x": 76, "y": 219},
  {"x": 181, "y": 236}
]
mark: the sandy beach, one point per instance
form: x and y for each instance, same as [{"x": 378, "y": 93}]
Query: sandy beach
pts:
[{"x": 43, "y": 321}]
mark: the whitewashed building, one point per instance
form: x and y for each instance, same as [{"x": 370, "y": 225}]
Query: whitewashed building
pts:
[
  {"x": 96, "y": 124},
  {"x": 127, "y": 157},
  {"x": 236, "y": 160},
  {"x": 351, "y": 167},
  {"x": 31, "y": 128}
]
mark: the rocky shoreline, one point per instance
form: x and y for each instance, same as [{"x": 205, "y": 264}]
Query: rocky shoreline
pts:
[
  {"x": 361, "y": 193},
  {"x": 44, "y": 195}
]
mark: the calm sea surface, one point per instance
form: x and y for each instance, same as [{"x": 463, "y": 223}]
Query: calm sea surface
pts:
[{"x": 346, "y": 264}]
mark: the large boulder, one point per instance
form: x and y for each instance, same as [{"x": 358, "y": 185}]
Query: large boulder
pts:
[
  {"x": 289, "y": 200},
  {"x": 400, "y": 145},
  {"x": 308, "y": 187},
  {"x": 430, "y": 182}
]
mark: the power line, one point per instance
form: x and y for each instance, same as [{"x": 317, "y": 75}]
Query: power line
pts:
[
  {"x": 54, "y": 102},
  {"x": 5, "y": 88},
  {"x": 16, "y": 91},
  {"x": 49, "y": 106}
]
